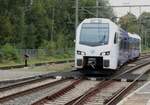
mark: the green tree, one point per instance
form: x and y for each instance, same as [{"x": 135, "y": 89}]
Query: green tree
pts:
[
  {"x": 6, "y": 30},
  {"x": 27, "y": 25},
  {"x": 129, "y": 23},
  {"x": 9, "y": 53},
  {"x": 144, "y": 20}
]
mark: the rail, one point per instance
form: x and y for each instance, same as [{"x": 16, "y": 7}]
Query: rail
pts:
[
  {"x": 30, "y": 90},
  {"x": 83, "y": 98},
  {"x": 58, "y": 94}
]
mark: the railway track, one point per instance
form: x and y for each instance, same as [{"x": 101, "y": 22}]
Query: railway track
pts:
[
  {"x": 85, "y": 99},
  {"x": 28, "y": 87},
  {"x": 105, "y": 92},
  {"x": 71, "y": 92},
  {"x": 61, "y": 98},
  {"x": 117, "y": 97},
  {"x": 144, "y": 56}
]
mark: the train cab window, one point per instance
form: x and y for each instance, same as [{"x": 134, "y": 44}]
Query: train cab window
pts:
[{"x": 116, "y": 38}]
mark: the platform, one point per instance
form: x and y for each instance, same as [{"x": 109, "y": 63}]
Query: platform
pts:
[
  {"x": 6, "y": 75},
  {"x": 141, "y": 96}
]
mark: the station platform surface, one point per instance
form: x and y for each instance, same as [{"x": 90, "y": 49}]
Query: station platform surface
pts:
[
  {"x": 14, "y": 74},
  {"x": 141, "y": 96}
]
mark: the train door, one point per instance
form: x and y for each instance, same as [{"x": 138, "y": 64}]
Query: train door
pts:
[{"x": 116, "y": 49}]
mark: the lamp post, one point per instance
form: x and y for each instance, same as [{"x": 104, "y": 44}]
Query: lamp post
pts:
[
  {"x": 76, "y": 14},
  {"x": 97, "y": 9},
  {"x": 31, "y": 2},
  {"x": 128, "y": 4}
]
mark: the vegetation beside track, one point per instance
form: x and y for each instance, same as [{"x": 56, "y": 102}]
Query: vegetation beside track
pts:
[
  {"x": 11, "y": 56},
  {"x": 146, "y": 50},
  {"x": 52, "y": 68},
  {"x": 32, "y": 61},
  {"x": 40, "y": 24}
]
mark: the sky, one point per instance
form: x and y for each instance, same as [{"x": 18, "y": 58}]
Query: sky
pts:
[{"x": 135, "y": 10}]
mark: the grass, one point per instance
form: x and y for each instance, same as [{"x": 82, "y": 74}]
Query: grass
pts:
[
  {"x": 52, "y": 67},
  {"x": 32, "y": 61},
  {"x": 146, "y": 50},
  {"x": 41, "y": 58},
  {"x": 50, "y": 59}
]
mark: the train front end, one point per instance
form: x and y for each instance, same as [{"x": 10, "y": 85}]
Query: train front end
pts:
[{"x": 93, "y": 45}]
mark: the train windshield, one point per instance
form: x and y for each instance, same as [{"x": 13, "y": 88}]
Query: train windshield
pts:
[{"x": 94, "y": 34}]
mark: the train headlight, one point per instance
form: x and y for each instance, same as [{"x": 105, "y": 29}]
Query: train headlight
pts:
[
  {"x": 105, "y": 53},
  {"x": 81, "y": 53},
  {"x": 102, "y": 53}
]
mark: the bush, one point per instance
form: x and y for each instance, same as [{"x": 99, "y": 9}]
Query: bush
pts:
[
  {"x": 9, "y": 53},
  {"x": 50, "y": 46},
  {"x": 41, "y": 54}
]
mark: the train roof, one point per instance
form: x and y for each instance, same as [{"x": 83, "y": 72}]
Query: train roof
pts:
[
  {"x": 89, "y": 20},
  {"x": 134, "y": 36}
]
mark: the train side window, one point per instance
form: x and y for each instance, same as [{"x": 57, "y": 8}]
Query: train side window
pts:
[
  {"x": 138, "y": 44},
  {"x": 125, "y": 44},
  {"x": 116, "y": 38},
  {"x": 122, "y": 44}
]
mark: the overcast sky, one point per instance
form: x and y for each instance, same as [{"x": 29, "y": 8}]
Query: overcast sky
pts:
[{"x": 122, "y": 11}]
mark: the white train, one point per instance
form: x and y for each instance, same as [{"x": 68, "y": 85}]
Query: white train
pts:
[{"x": 101, "y": 44}]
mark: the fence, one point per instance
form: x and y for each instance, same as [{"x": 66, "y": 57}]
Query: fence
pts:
[{"x": 33, "y": 53}]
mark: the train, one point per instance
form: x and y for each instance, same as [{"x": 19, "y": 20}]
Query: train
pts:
[{"x": 103, "y": 45}]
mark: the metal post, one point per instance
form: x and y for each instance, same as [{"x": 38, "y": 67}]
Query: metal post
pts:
[
  {"x": 145, "y": 40},
  {"x": 26, "y": 57},
  {"x": 140, "y": 28},
  {"x": 31, "y": 2},
  {"x": 77, "y": 14},
  {"x": 130, "y": 9},
  {"x": 53, "y": 16},
  {"x": 97, "y": 9}
]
